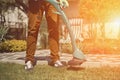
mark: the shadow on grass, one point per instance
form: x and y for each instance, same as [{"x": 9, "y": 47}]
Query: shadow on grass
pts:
[
  {"x": 75, "y": 68},
  {"x": 47, "y": 58},
  {"x": 44, "y": 58}
]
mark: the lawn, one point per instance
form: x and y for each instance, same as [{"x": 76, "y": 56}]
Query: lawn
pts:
[{"x": 11, "y": 71}]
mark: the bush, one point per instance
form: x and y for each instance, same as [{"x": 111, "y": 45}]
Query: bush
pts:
[
  {"x": 3, "y": 32},
  {"x": 66, "y": 48},
  {"x": 13, "y": 46}
]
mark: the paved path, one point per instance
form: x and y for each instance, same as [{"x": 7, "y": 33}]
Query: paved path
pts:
[{"x": 93, "y": 60}]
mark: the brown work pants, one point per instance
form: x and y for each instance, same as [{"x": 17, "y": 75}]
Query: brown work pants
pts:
[{"x": 35, "y": 13}]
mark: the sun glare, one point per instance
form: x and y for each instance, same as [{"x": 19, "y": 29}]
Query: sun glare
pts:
[
  {"x": 112, "y": 28},
  {"x": 116, "y": 22}
]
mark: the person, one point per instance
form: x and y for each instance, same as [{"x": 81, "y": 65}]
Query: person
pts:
[{"x": 35, "y": 13}]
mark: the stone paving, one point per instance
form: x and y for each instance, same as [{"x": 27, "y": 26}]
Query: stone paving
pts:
[{"x": 42, "y": 56}]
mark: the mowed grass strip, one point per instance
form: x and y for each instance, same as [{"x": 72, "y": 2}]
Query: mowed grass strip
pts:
[{"x": 11, "y": 71}]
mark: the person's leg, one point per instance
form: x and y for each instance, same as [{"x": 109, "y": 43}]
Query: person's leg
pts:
[
  {"x": 34, "y": 15},
  {"x": 53, "y": 29}
]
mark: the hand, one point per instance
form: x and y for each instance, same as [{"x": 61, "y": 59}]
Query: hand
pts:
[{"x": 64, "y": 3}]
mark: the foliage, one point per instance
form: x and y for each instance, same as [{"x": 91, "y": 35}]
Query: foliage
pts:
[
  {"x": 12, "y": 46},
  {"x": 3, "y": 32},
  {"x": 99, "y": 10},
  {"x": 10, "y": 71},
  {"x": 66, "y": 48},
  {"x": 23, "y": 4},
  {"x": 92, "y": 10},
  {"x": 6, "y": 4},
  {"x": 95, "y": 47},
  {"x": 11, "y": 4}
]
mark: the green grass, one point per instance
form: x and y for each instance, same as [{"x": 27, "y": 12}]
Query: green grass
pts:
[{"x": 10, "y": 71}]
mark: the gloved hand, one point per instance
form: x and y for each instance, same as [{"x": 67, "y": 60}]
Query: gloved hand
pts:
[{"x": 64, "y": 3}]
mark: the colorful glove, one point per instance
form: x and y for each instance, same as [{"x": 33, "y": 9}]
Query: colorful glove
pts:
[{"x": 64, "y": 3}]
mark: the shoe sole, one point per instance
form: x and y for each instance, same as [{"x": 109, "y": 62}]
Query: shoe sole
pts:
[{"x": 75, "y": 62}]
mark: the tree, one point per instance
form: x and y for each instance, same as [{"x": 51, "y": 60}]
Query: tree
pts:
[
  {"x": 11, "y": 4},
  {"x": 99, "y": 11},
  {"x": 6, "y": 4},
  {"x": 23, "y": 4}
]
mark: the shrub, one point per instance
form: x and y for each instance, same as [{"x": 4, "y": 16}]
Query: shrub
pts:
[
  {"x": 13, "y": 46},
  {"x": 3, "y": 32},
  {"x": 66, "y": 48}
]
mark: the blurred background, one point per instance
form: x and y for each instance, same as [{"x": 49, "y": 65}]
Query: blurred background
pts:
[{"x": 95, "y": 24}]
